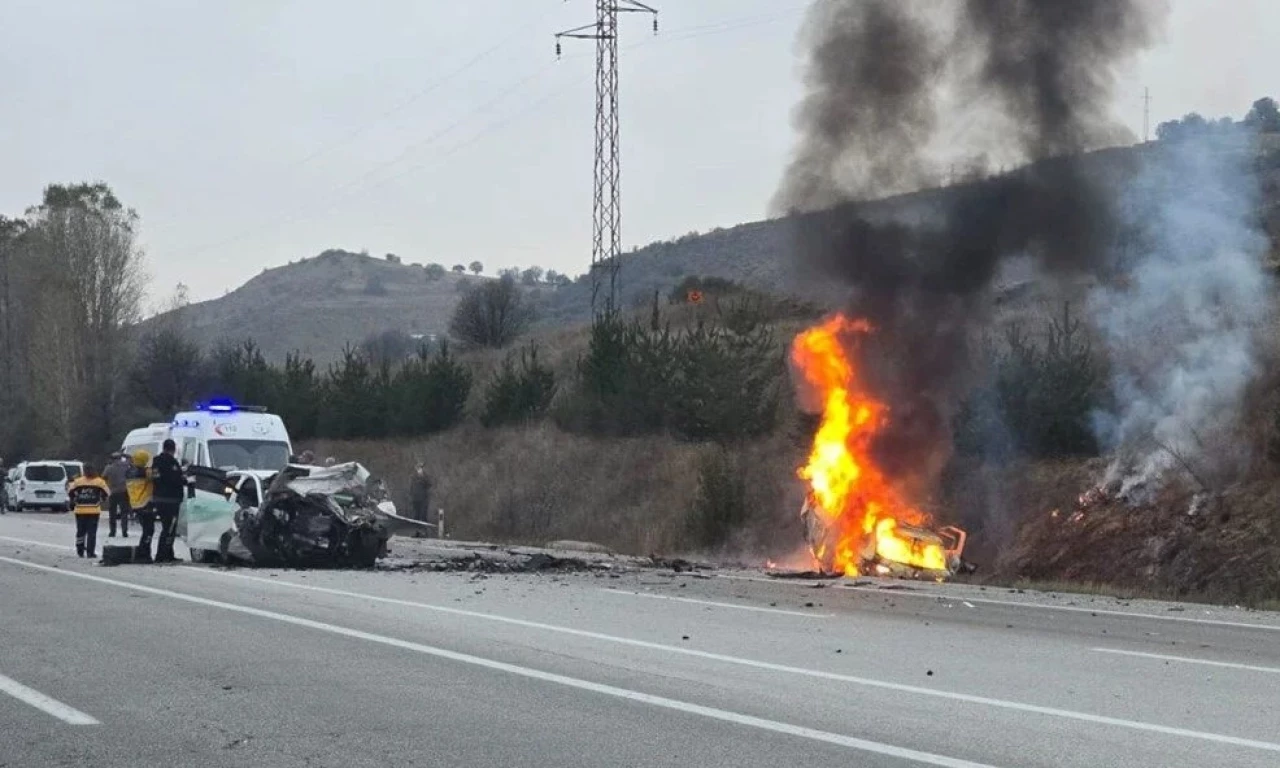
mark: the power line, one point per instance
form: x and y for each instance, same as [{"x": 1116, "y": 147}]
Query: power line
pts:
[
  {"x": 311, "y": 212},
  {"x": 336, "y": 191},
  {"x": 417, "y": 96},
  {"x": 336, "y": 194}
]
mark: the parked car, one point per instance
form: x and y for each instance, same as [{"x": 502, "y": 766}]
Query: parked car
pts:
[
  {"x": 74, "y": 469},
  {"x": 41, "y": 485}
]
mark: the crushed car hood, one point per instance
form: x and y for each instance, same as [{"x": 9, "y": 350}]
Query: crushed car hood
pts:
[{"x": 338, "y": 516}]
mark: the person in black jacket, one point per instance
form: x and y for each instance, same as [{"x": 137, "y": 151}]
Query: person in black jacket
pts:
[{"x": 170, "y": 486}]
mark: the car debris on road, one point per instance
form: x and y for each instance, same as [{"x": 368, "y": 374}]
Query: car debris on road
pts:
[
  {"x": 304, "y": 516},
  {"x": 315, "y": 517}
]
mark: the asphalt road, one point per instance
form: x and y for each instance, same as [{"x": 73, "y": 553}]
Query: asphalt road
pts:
[{"x": 191, "y": 665}]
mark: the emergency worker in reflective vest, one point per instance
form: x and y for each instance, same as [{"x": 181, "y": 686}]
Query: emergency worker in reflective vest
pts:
[
  {"x": 141, "y": 489},
  {"x": 88, "y": 494}
]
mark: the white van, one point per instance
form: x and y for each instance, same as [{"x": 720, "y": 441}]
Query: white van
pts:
[
  {"x": 74, "y": 468},
  {"x": 226, "y": 436},
  {"x": 41, "y": 485},
  {"x": 149, "y": 438}
]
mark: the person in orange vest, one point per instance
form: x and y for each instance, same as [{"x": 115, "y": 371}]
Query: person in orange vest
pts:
[{"x": 88, "y": 494}]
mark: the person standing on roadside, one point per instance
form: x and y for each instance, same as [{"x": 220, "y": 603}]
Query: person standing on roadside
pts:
[
  {"x": 138, "y": 481},
  {"x": 170, "y": 486},
  {"x": 116, "y": 475},
  {"x": 88, "y": 494},
  {"x": 420, "y": 495}
]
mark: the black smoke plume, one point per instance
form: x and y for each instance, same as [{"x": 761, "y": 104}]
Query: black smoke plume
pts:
[{"x": 884, "y": 77}]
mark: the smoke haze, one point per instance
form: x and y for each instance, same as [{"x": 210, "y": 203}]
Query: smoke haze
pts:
[
  {"x": 1040, "y": 76},
  {"x": 1181, "y": 331}
]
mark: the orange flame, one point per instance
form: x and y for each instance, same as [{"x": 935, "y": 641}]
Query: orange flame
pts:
[{"x": 859, "y": 509}]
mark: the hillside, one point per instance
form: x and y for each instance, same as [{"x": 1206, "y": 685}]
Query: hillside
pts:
[
  {"x": 320, "y": 304},
  {"x": 317, "y": 305},
  {"x": 761, "y": 254}
]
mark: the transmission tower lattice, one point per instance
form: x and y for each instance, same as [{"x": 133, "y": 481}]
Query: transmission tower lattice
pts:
[{"x": 606, "y": 214}]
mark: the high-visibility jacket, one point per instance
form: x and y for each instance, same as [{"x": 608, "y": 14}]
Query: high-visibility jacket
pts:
[
  {"x": 88, "y": 495},
  {"x": 141, "y": 487}
]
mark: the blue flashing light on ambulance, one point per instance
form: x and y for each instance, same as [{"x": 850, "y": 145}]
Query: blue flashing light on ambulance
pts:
[{"x": 222, "y": 435}]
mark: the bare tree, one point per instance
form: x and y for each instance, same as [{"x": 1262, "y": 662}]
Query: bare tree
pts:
[
  {"x": 492, "y": 314},
  {"x": 92, "y": 284}
]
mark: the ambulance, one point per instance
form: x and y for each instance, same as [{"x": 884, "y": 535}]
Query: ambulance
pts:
[
  {"x": 149, "y": 438},
  {"x": 221, "y": 435},
  {"x": 227, "y": 436},
  {"x": 233, "y": 444}
]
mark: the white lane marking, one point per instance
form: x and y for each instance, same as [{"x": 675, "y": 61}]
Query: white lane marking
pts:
[
  {"x": 1188, "y": 660},
  {"x": 932, "y": 595},
  {"x": 550, "y": 677},
  {"x": 44, "y": 522},
  {"x": 999, "y": 703},
  {"x": 35, "y": 543},
  {"x": 765, "y": 665},
  {"x": 718, "y": 605},
  {"x": 1009, "y": 603},
  {"x": 46, "y": 704}
]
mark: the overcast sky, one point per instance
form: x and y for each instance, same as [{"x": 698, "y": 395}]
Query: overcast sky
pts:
[{"x": 248, "y": 133}]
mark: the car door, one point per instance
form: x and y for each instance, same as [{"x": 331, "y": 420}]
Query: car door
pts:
[{"x": 208, "y": 510}]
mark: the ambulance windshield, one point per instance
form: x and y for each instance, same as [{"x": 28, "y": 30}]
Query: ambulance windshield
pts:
[{"x": 248, "y": 454}]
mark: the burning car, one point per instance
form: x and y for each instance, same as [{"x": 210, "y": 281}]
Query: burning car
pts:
[
  {"x": 891, "y": 549},
  {"x": 857, "y": 521},
  {"x": 303, "y": 517}
]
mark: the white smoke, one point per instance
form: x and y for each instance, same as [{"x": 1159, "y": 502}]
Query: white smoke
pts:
[{"x": 1180, "y": 330}]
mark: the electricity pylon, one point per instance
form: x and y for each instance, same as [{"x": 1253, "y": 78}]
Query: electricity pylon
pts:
[{"x": 606, "y": 245}]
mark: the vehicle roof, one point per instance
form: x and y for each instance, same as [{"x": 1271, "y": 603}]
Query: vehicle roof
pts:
[
  {"x": 226, "y": 414},
  {"x": 149, "y": 430},
  {"x": 45, "y": 463}
]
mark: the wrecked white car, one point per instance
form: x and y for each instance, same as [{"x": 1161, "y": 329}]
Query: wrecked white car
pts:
[{"x": 300, "y": 517}]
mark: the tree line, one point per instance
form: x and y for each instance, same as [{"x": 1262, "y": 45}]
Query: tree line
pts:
[
  {"x": 71, "y": 288},
  {"x": 1263, "y": 117}
]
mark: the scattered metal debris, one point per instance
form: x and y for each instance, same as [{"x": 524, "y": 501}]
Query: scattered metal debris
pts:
[{"x": 804, "y": 575}]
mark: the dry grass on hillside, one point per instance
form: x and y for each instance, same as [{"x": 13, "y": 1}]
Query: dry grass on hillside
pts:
[{"x": 537, "y": 484}]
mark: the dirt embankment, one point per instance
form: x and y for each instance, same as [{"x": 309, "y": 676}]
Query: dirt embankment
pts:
[{"x": 1223, "y": 546}]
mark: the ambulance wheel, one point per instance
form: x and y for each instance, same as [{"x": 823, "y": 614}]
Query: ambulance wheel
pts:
[{"x": 203, "y": 556}]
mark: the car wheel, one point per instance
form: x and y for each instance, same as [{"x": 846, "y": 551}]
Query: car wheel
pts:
[{"x": 201, "y": 556}]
